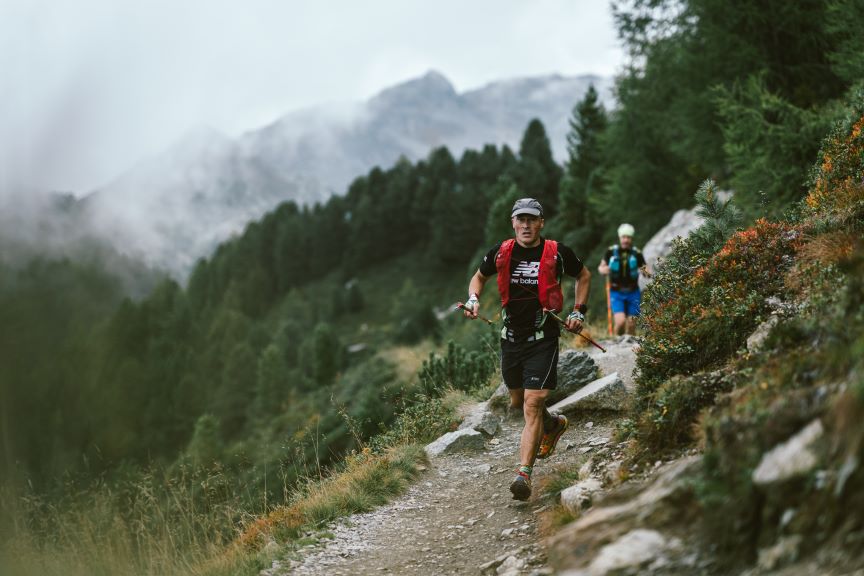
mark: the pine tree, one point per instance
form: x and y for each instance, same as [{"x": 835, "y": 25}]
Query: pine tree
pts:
[
  {"x": 205, "y": 445},
  {"x": 578, "y": 222},
  {"x": 271, "y": 382},
  {"x": 722, "y": 218},
  {"x": 537, "y": 173}
]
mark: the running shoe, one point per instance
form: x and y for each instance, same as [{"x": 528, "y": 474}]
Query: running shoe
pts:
[
  {"x": 550, "y": 438},
  {"x": 521, "y": 487}
]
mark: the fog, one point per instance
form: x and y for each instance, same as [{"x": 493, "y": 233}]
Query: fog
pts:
[{"x": 92, "y": 87}]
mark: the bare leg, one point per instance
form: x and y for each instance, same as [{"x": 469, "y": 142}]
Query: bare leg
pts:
[
  {"x": 631, "y": 325},
  {"x": 517, "y": 397},
  {"x": 535, "y": 402},
  {"x": 620, "y": 322}
]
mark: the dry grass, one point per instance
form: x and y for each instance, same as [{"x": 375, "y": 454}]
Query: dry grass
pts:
[
  {"x": 368, "y": 480},
  {"x": 170, "y": 533}
]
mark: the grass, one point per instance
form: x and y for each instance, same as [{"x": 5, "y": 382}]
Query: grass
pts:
[{"x": 153, "y": 523}]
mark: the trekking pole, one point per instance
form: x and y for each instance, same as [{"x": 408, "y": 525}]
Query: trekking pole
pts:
[
  {"x": 558, "y": 318},
  {"x": 460, "y": 305},
  {"x": 608, "y": 308}
]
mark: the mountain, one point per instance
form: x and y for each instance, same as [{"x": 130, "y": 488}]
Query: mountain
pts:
[{"x": 175, "y": 208}]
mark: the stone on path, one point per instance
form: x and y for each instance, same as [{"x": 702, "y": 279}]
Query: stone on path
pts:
[
  {"x": 482, "y": 420},
  {"x": 607, "y": 393},
  {"x": 580, "y": 496},
  {"x": 459, "y": 441},
  {"x": 790, "y": 459},
  {"x": 575, "y": 369}
]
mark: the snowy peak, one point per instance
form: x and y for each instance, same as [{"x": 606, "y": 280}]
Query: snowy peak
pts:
[
  {"x": 431, "y": 87},
  {"x": 178, "y": 206}
]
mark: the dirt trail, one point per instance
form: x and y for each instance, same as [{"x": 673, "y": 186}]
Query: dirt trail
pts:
[{"x": 459, "y": 516}]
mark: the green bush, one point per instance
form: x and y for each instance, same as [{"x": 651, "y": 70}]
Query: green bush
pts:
[
  {"x": 669, "y": 418},
  {"x": 419, "y": 423},
  {"x": 459, "y": 369}
]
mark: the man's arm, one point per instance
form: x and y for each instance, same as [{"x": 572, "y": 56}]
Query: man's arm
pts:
[
  {"x": 583, "y": 283},
  {"x": 603, "y": 268},
  {"x": 475, "y": 288},
  {"x": 643, "y": 266}
]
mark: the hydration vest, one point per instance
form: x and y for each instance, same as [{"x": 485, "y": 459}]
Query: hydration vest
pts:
[
  {"x": 548, "y": 285},
  {"x": 616, "y": 264}
]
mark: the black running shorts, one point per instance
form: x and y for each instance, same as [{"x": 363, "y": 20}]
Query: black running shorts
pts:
[{"x": 530, "y": 365}]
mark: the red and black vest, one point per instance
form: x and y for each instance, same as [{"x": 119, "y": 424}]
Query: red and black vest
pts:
[{"x": 548, "y": 286}]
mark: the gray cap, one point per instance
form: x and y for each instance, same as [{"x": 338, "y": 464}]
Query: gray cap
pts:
[{"x": 527, "y": 206}]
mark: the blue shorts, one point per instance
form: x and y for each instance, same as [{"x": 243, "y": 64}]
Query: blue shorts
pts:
[{"x": 627, "y": 302}]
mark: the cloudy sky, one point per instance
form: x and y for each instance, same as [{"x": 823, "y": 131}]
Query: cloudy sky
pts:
[{"x": 89, "y": 87}]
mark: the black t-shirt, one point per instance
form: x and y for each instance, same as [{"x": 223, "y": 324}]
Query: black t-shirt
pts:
[
  {"x": 623, "y": 280},
  {"x": 524, "y": 313}
]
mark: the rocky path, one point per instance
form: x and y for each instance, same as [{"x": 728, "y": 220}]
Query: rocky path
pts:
[{"x": 459, "y": 516}]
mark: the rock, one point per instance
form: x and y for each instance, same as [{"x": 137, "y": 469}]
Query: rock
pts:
[
  {"x": 757, "y": 339},
  {"x": 482, "y": 420},
  {"x": 667, "y": 501},
  {"x": 607, "y": 393},
  {"x": 458, "y": 441},
  {"x": 632, "y": 551},
  {"x": 512, "y": 566},
  {"x": 791, "y": 459},
  {"x": 575, "y": 369},
  {"x": 580, "y": 496},
  {"x": 585, "y": 469},
  {"x": 785, "y": 551},
  {"x": 613, "y": 472},
  {"x": 499, "y": 402},
  {"x": 850, "y": 465},
  {"x": 682, "y": 223}
]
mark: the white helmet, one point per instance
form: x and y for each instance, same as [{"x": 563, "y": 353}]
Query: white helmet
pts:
[{"x": 626, "y": 230}]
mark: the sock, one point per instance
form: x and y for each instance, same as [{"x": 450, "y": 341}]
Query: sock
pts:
[
  {"x": 549, "y": 421},
  {"x": 526, "y": 470}
]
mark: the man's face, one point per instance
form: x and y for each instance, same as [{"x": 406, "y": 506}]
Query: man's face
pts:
[
  {"x": 625, "y": 241},
  {"x": 527, "y": 228}
]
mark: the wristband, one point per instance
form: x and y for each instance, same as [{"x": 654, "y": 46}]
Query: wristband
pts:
[
  {"x": 472, "y": 300},
  {"x": 583, "y": 308},
  {"x": 576, "y": 315}
]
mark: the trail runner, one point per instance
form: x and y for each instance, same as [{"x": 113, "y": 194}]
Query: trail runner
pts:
[
  {"x": 529, "y": 269},
  {"x": 623, "y": 263}
]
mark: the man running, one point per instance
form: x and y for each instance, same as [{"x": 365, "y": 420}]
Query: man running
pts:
[
  {"x": 529, "y": 270},
  {"x": 622, "y": 263}
]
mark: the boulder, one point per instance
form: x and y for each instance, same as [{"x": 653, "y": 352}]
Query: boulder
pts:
[
  {"x": 682, "y": 223},
  {"x": 607, "y": 393},
  {"x": 481, "y": 419},
  {"x": 467, "y": 440},
  {"x": 633, "y": 552},
  {"x": 666, "y": 502},
  {"x": 790, "y": 459},
  {"x": 580, "y": 496},
  {"x": 785, "y": 551},
  {"x": 500, "y": 399},
  {"x": 575, "y": 369},
  {"x": 757, "y": 339}
]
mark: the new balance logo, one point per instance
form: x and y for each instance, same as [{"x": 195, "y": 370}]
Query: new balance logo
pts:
[{"x": 527, "y": 270}]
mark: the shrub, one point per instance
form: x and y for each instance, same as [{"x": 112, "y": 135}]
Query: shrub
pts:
[
  {"x": 837, "y": 189},
  {"x": 459, "y": 369},
  {"x": 669, "y": 419},
  {"x": 710, "y": 313}
]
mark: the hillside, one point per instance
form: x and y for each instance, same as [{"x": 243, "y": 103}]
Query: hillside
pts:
[{"x": 214, "y": 425}]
